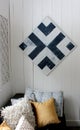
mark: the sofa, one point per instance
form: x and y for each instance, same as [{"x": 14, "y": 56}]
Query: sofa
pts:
[{"x": 40, "y": 96}]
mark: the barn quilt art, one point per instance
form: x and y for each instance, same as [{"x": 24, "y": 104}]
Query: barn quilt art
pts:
[{"x": 47, "y": 45}]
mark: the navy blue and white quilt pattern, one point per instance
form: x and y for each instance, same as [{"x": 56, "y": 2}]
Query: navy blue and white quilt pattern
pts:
[{"x": 47, "y": 45}]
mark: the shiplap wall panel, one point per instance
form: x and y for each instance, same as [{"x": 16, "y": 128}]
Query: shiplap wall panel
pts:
[
  {"x": 37, "y": 4},
  {"x": 17, "y": 36},
  {"x": 46, "y": 8},
  {"x": 37, "y": 13},
  {"x": 56, "y": 11},
  {"x": 25, "y": 15},
  {"x": 75, "y": 21},
  {"x": 67, "y": 17},
  {"x": 27, "y": 24}
]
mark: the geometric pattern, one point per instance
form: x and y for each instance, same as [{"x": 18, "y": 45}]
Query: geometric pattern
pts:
[
  {"x": 47, "y": 45},
  {"x": 4, "y": 51}
]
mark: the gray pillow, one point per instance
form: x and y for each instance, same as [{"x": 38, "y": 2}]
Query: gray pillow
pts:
[{"x": 41, "y": 96}]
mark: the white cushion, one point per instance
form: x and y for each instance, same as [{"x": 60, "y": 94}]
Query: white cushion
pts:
[
  {"x": 13, "y": 113},
  {"x": 23, "y": 124},
  {"x": 14, "y": 101}
]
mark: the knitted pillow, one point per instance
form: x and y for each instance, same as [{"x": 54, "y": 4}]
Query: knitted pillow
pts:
[
  {"x": 23, "y": 124},
  {"x": 13, "y": 113},
  {"x": 13, "y": 100}
]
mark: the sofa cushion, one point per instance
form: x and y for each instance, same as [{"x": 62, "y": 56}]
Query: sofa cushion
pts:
[
  {"x": 45, "y": 112},
  {"x": 14, "y": 101},
  {"x": 24, "y": 124},
  {"x": 4, "y": 126},
  {"x": 41, "y": 96}
]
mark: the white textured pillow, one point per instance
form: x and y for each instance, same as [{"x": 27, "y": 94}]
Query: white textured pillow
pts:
[
  {"x": 23, "y": 124},
  {"x": 13, "y": 113},
  {"x": 14, "y": 101}
]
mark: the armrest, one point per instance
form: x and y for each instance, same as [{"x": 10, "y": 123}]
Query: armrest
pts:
[{"x": 16, "y": 96}]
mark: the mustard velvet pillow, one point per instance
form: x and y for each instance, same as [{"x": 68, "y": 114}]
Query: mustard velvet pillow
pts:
[
  {"x": 4, "y": 126},
  {"x": 45, "y": 112}
]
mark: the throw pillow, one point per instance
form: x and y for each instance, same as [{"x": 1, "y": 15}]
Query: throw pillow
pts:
[
  {"x": 13, "y": 113},
  {"x": 41, "y": 96},
  {"x": 4, "y": 126},
  {"x": 13, "y": 101},
  {"x": 29, "y": 93},
  {"x": 23, "y": 124},
  {"x": 45, "y": 112}
]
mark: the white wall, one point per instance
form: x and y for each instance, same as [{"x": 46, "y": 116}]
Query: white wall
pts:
[
  {"x": 4, "y": 8},
  {"x": 5, "y": 90},
  {"x": 5, "y": 93},
  {"x": 25, "y": 15}
]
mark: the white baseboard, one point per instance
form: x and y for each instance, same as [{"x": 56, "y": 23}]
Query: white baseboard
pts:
[{"x": 73, "y": 122}]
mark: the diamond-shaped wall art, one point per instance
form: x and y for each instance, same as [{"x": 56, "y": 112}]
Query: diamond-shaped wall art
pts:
[{"x": 47, "y": 46}]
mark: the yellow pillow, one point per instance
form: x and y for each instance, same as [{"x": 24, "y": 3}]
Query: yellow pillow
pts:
[
  {"x": 45, "y": 112},
  {"x": 4, "y": 126}
]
